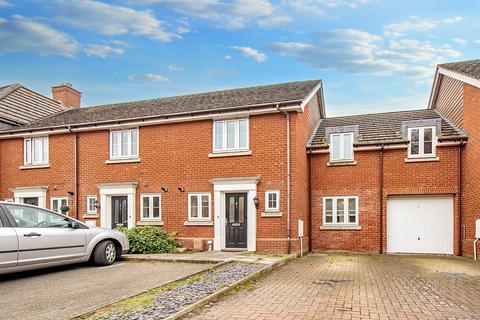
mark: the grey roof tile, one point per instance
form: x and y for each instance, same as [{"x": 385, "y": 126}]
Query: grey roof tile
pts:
[
  {"x": 200, "y": 102},
  {"x": 470, "y": 68},
  {"x": 382, "y": 127}
]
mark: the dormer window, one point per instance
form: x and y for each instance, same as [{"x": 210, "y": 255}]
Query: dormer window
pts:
[
  {"x": 422, "y": 142},
  {"x": 341, "y": 147}
]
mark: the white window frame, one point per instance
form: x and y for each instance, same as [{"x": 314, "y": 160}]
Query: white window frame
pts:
[
  {"x": 150, "y": 211},
  {"x": 334, "y": 211},
  {"x": 224, "y": 136},
  {"x": 28, "y": 152},
  {"x": 199, "y": 206},
  {"x": 267, "y": 208},
  {"x": 9, "y": 200},
  {"x": 129, "y": 139},
  {"x": 341, "y": 147},
  {"x": 421, "y": 133},
  {"x": 94, "y": 211},
  {"x": 59, "y": 199}
]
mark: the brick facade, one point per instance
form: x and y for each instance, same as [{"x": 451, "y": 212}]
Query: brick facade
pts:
[{"x": 363, "y": 180}]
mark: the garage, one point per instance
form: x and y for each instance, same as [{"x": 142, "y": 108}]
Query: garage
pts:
[{"x": 420, "y": 224}]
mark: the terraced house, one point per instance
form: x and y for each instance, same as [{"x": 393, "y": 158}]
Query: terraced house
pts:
[{"x": 262, "y": 168}]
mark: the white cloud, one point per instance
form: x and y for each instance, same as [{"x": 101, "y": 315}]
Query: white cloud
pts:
[
  {"x": 227, "y": 57},
  {"x": 231, "y": 15},
  {"x": 25, "y": 34},
  {"x": 411, "y": 50},
  {"x": 111, "y": 20},
  {"x": 5, "y": 3},
  {"x": 101, "y": 50},
  {"x": 251, "y": 53},
  {"x": 149, "y": 77},
  {"x": 477, "y": 41},
  {"x": 460, "y": 41},
  {"x": 415, "y": 24},
  {"x": 452, "y": 20},
  {"x": 173, "y": 67}
]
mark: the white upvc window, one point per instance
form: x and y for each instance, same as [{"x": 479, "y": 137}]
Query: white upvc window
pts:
[
  {"x": 272, "y": 201},
  {"x": 199, "y": 206},
  {"x": 91, "y": 208},
  {"x": 340, "y": 210},
  {"x": 341, "y": 147},
  {"x": 422, "y": 142},
  {"x": 124, "y": 144},
  {"x": 230, "y": 135},
  {"x": 35, "y": 151},
  {"x": 151, "y": 207},
  {"x": 56, "y": 203}
]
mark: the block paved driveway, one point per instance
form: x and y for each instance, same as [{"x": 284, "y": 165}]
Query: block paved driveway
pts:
[{"x": 344, "y": 286}]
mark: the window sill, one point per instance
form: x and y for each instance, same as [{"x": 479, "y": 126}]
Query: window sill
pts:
[
  {"x": 229, "y": 154},
  {"x": 115, "y": 161},
  {"x": 198, "y": 223},
  {"x": 34, "y": 166},
  {"x": 426, "y": 159},
  {"x": 90, "y": 216},
  {"x": 340, "y": 227},
  {"x": 341, "y": 163},
  {"x": 150, "y": 223},
  {"x": 274, "y": 214}
]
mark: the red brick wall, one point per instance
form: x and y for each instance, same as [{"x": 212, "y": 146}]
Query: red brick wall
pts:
[
  {"x": 173, "y": 155},
  {"x": 470, "y": 167},
  {"x": 363, "y": 180}
]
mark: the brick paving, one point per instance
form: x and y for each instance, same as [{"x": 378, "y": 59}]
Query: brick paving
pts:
[{"x": 347, "y": 286}]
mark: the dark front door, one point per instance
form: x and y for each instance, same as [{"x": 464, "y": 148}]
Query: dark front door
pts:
[
  {"x": 119, "y": 212},
  {"x": 236, "y": 211}
]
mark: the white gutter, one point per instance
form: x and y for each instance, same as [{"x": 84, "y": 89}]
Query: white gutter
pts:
[{"x": 288, "y": 177}]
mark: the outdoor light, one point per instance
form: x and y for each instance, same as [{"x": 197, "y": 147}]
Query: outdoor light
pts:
[
  {"x": 71, "y": 193},
  {"x": 97, "y": 204},
  {"x": 255, "y": 201},
  {"x": 164, "y": 189},
  {"x": 181, "y": 189}
]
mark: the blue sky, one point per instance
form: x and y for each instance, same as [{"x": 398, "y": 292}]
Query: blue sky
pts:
[{"x": 372, "y": 55}]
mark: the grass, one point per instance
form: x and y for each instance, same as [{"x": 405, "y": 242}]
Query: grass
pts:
[{"x": 279, "y": 256}]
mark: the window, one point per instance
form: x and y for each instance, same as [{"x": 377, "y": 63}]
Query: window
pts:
[
  {"x": 272, "y": 201},
  {"x": 29, "y": 217},
  {"x": 230, "y": 135},
  {"x": 340, "y": 210},
  {"x": 58, "y": 202},
  {"x": 150, "y": 206},
  {"x": 341, "y": 147},
  {"x": 91, "y": 209},
  {"x": 35, "y": 151},
  {"x": 199, "y": 206},
  {"x": 124, "y": 144},
  {"x": 422, "y": 142}
]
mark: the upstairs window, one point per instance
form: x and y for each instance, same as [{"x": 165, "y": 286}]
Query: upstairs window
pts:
[
  {"x": 35, "y": 151},
  {"x": 422, "y": 142},
  {"x": 340, "y": 210},
  {"x": 230, "y": 135},
  {"x": 341, "y": 147},
  {"x": 124, "y": 144}
]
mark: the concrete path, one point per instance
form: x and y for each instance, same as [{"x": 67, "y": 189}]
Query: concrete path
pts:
[
  {"x": 343, "y": 286},
  {"x": 61, "y": 293}
]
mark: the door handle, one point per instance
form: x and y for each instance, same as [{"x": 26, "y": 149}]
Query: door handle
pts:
[{"x": 32, "y": 234}]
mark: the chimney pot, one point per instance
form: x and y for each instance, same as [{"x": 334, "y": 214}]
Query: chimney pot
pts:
[{"x": 66, "y": 94}]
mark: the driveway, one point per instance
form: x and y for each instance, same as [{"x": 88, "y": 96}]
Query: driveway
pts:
[
  {"x": 345, "y": 286},
  {"x": 61, "y": 293}
]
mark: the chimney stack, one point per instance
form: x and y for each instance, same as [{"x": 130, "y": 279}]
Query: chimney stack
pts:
[{"x": 67, "y": 95}]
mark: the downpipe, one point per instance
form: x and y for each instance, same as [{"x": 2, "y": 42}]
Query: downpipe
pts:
[
  {"x": 475, "y": 249},
  {"x": 289, "y": 242}
]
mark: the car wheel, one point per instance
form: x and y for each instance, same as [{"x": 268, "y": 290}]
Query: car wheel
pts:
[{"x": 105, "y": 253}]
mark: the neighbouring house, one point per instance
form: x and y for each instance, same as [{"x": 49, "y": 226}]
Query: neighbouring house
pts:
[
  {"x": 456, "y": 94},
  {"x": 255, "y": 168},
  {"x": 227, "y": 166}
]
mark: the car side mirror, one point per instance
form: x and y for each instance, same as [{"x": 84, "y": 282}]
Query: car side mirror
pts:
[{"x": 74, "y": 224}]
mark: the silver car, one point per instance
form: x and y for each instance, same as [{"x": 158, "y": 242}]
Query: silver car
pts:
[{"x": 34, "y": 238}]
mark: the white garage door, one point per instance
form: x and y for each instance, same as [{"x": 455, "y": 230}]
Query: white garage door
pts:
[{"x": 420, "y": 224}]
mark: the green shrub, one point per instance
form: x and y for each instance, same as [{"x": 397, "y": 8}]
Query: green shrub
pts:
[{"x": 149, "y": 239}]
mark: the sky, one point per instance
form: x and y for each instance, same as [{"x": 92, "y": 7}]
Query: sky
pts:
[{"x": 372, "y": 55}]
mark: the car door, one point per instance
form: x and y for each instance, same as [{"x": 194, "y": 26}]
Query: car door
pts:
[
  {"x": 45, "y": 236},
  {"x": 8, "y": 243}
]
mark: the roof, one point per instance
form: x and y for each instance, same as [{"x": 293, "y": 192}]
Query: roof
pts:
[
  {"x": 382, "y": 127},
  {"x": 19, "y": 105},
  {"x": 283, "y": 93},
  {"x": 470, "y": 68}
]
